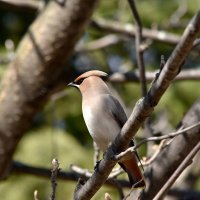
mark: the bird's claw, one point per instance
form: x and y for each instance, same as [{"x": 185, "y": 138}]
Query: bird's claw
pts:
[{"x": 96, "y": 167}]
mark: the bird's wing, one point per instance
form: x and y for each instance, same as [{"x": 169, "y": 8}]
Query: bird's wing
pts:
[{"x": 116, "y": 110}]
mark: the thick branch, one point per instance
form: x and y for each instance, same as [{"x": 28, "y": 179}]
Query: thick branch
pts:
[
  {"x": 141, "y": 111},
  {"x": 179, "y": 170},
  {"x": 172, "y": 156},
  {"x": 40, "y": 58}
]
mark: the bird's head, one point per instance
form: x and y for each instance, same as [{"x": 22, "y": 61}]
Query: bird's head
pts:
[{"x": 80, "y": 82}]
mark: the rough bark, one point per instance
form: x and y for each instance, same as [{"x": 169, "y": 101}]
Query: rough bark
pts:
[
  {"x": 172, "y": 156},
  {"x": 141, "y": 111},
  {"x": 40, "y": 58}
]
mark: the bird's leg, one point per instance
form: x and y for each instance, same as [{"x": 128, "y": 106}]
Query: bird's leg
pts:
[
  {"x": 96, "y": 156},
  {"x": 96, "y": 167},
  {"x": 98, "y": 162},
  {"x": 96, "y": 153}
]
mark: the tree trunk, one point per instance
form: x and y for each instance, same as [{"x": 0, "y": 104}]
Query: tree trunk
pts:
[{"x": 40, "y": 58}]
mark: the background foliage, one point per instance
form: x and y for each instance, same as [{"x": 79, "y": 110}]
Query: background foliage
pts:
[{"x": 59, "y": 130}]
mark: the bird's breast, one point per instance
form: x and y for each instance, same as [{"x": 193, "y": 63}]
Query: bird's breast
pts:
[{"x": 101, "y": 125}]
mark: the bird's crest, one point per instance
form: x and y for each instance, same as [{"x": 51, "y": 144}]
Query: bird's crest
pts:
[{"x": 91, "y": 73}]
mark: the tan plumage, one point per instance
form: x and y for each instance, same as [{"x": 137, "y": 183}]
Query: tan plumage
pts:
[{"x": 104, "y": 117}]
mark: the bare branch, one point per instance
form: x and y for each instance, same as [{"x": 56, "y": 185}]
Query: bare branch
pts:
[
  {"x": 168, "y": 136},
  {"x": 150, "y": 160},
  {"x": 177, "y": 173},
  {"x": 170, "y": 158},
  {"x": 141, "y": 111},
  {"x": 81, "y": 171},
  {"x": 21, "y": 5},
  {"x": 179, "y": 13},
  {"x": 188, "y": 74},
  {"x": 107, "y": 196},
  {"x": 36, "y": 195},
  {"x": 130, "y": 30},
  {"x": 100, "y": 43},
  {"x": 54, "y": 173},
  {"x": 157, "y": 138},
  {"x": 21, "y": 168},
  {"x": 138, "y": 41}
]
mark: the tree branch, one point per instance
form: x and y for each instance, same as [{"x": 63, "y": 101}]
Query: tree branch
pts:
[
  {"x": 21, "y": 5},
  {"x": 141, "y": 111},
  {"x": 100, "y": 43},
  {"x": 176, "y": 174},
  {"x": 21, "y": 168},
  {"x": 54, "y": 173},
  {"x": 172, "y": 156},
  {"x": 188, "y": 74},
  {"x": 138, "y": 42},
  {"x": 156, "y": 138},
  {"x": 32, "y": 76},
  {"x": 130, "y": 30}
]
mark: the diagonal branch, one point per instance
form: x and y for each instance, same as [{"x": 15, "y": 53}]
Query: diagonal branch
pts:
[
  {"x": 142, "y": 110},
  {"x": 156, "y": 138},
  {"x": 177, "y": 173},
  {"x": 171, "y": 157}
]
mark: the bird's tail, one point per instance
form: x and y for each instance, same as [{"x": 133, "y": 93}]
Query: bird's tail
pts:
[{"x": 135, "y": 175}]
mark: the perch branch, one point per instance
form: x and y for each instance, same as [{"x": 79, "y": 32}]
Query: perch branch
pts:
[{"x": 142, "y": 110}]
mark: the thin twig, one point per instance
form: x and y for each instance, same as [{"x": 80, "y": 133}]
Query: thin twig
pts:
[
  {"x": 115, "y": 173},
  {"x": 150, "y": 160},
  {"x": 87, "y": 173},
  {"x": 80, "y": 170},
  {"x": 177, "y": 173},
  {"x": 138, "y": 41},
  {"x": 100, "y": 43},
  {"x": 107, "y": 196},
  {"x": 36, "y": 195},
  {"x": 188, "y": 74},
  {"x": 168, "y": 136},
  {"x": 179, "y": 13},
  {"x": 54, "y": 172},
  {"x": 158, "y": 138}
]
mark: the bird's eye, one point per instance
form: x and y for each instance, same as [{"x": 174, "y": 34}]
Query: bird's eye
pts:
[{"x": 79, "y": 81}]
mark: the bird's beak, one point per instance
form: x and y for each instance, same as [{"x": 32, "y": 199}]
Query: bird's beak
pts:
[{"x": 72, "y": 84}]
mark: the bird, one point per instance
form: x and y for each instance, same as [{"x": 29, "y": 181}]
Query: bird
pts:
[{"x": 104, "y": 117}]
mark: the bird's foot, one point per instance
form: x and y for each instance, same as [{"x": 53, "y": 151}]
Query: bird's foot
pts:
[{"x": 96, "y": 167}]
